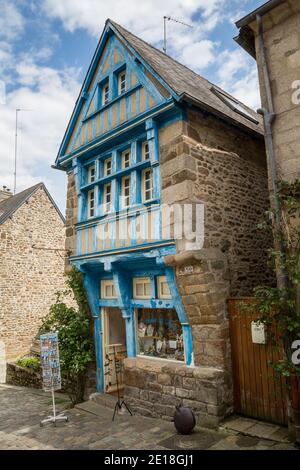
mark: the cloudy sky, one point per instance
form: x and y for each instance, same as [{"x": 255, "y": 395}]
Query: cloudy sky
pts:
[{"x": 46, "y": 47}]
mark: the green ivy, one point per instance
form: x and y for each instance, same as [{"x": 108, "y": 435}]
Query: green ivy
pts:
[
  {"x": 280, "y": 307},
  {"x": 32, "y": 363},
  {"x": 73, "y": 326}
]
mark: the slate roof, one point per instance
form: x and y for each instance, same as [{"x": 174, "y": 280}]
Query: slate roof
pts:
[
  {"x": 186, "y": 83},
  {"x": 10, "y": 205}
]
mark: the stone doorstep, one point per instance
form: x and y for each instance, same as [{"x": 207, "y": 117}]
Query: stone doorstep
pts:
[{"x": 255, "y": 428}]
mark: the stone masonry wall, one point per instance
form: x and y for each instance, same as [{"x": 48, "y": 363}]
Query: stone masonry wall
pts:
[
  {"x": 71, "y": 217},
  {"x": 31, "y": 270},
  {"x": 154, "y": 388},
  {"x": 282, "y": 41}
]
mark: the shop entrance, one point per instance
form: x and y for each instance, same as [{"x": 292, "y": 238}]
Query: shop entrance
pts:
[{"x": 114, "y": 348}]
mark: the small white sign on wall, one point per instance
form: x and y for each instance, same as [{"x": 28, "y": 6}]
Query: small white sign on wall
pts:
[{"x": 258, "y": 332}]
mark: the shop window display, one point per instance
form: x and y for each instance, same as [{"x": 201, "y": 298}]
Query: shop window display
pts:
[{"x": 159, "y": 334}]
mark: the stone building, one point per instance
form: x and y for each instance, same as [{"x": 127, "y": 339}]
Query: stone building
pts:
[
  {"x": 148, "y": 136},
  {"x": 32, "y": 254},
  {"x": 270, "y": 34}
]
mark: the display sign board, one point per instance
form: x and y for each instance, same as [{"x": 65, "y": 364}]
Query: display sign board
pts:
[
  {"x": 258, "y": 332},
  {"x": 50, "y": 362}
]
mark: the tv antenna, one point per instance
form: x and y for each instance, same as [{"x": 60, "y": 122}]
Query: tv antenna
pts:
[
  {"x": 16, "y": 146},
  {"x": 169, "y": 18}
]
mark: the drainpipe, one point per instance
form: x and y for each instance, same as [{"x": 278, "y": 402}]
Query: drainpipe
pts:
[{"x": 269, "y": 117}]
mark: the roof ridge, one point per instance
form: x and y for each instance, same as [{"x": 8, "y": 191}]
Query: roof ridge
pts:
[{"x": 179, "y": 63}]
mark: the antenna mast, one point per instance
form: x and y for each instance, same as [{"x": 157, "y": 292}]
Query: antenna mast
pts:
[
  {"x": 16, "y": 145},
  {"x": 169, "y": 18}
]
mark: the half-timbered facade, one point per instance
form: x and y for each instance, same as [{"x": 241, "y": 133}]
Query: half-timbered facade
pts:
[{"x": 147, "y": 133}]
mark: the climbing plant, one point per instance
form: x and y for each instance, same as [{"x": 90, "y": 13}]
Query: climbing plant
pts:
[
  {"x": 280, "y": 306},
  {"x": 73, "y": 327}
]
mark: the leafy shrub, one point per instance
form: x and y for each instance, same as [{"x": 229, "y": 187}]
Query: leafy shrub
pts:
[
  {"x": 32, "y": 363},
  {"x": 73, "y": 327}
]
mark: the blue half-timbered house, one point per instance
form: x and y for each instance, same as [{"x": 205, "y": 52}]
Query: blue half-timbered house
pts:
[{"x": 134, "y": 103}]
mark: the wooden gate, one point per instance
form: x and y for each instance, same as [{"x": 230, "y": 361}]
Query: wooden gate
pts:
[{"x": 258, "y": 391}]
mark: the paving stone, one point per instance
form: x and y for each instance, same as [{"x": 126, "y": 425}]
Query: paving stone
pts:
[{"x": 92, "y": 428}]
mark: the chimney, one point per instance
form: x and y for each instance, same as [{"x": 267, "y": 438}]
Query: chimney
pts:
[{"x": 5, "y": 193}]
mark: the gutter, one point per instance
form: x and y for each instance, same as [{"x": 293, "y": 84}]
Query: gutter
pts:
[{"x": 261, "y": 11}]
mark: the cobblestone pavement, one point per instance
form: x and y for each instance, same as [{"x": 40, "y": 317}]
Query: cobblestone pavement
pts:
[{"x": 21, "y": 410}]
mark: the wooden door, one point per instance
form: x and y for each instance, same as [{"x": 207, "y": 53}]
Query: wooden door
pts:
[
  {"x": 258, "y": 391},
  {"x": 114, "y": 348}
]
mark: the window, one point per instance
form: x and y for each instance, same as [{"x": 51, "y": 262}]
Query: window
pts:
[
  {"x": 234, "y": 104},
  {"x": 107, "y": 169},
  {"x": 107, "y": 197},
  {"x": 91, "y": 203},
  {"x": 125, "y": 156},
  {"x": 145, "y": 151},
  {"x": 159, "y": 334},
  {"x": 108, "y": 289},
  {"x": 122, "y": 83},
  {"x": 147, "y": 185},
  {"x": 91, "y": 174},
  {"x": 125, "y": 193},
  {"x": 142, "y": 288},
  {"x": 163, "y": 291},
  {"x": 105, "y": 93}
]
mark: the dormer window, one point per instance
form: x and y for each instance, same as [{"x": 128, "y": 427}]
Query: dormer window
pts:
[
  {"x": 105, "y": 93},
  {"x": 126, "y": 158},
  {"x": 122, "y": 82}
]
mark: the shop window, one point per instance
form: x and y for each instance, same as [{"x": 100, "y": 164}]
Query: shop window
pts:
[
  {"x": 125, "y": 157},
  {"x": 145, "y": 151},
  {"x": 159, "y": 334},
  {"x": 163, "y": 291},
  {"x": 142, "y": 288},
  {"x": 107, "y": 167},
  {"x": 108, "y": 289},
  {"x": 91, "y": 203},
  {"x": 91, "y": 174},
  {"x": 147, "y": 185}
]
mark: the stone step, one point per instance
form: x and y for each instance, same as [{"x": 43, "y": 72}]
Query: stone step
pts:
[{"x": 104, "y": 399}]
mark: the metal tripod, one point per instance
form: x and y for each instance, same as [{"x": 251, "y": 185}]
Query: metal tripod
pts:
[{"x": 120, "y": 403}]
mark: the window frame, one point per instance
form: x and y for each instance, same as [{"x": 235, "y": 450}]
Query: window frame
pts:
[
  {"x": 123, "y": 154},
  {"x": 91, "y": 208},
  {"x": 105, "y": 94},
  {"x": 144, "y": 185},
  {"x": 125, "y": 178},
  {"x": 105, "y": 203},
  {"x": 104, "y": 283},
  {"x": 144, "y": 159},
  {"x": 107, "y": 160},
  {"x": 122, "y": 83},
  {"x": 159, "y": 281},
  {"x": 140, "y": 280},
  {"x": 91, "y": 178}
]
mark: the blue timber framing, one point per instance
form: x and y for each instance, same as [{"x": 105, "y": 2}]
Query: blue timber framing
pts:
[{"x": 92, "y": 137}]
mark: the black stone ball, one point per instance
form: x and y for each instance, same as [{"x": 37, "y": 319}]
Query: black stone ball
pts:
[{"x": 184, "y": 419}]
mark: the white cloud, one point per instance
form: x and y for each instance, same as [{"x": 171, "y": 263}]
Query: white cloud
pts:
[
  {"x": 145, "y": 18},
  {"x": 237, "y": 74},
  {"x": 11, "y": 21},
  {"x": 50, "y": 95}
]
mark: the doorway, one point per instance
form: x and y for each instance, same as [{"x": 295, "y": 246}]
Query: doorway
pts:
[{"x": 114, "y": 348}]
